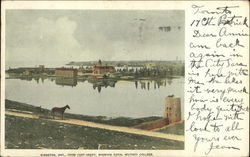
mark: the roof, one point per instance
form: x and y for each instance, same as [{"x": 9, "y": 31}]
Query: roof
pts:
[
  {"x": 66, "y": 69},
  {"x": 104, "y": 67}
]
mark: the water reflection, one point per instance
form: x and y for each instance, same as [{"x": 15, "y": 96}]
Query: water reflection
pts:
[
  {"x": 37, "y": 79},
  {"x": 66, "y": 81},
  {"x": 105, "y": 97},
  {"x": 98, "y": 84},
  {"x": 145, "y": 84},
  {"x": 27, "y": 78}
]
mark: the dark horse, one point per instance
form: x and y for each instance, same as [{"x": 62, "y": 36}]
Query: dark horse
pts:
[{"x": 59, "y": 110}]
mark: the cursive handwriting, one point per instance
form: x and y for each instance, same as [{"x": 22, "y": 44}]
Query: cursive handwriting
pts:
[{"x": 217, "y": 78}]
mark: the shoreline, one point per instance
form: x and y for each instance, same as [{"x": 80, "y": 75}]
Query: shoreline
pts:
[
  {"x": 116, "y": 121},
  {"x": 177, "y": 128},
  {"x": 41, "y": 133}
]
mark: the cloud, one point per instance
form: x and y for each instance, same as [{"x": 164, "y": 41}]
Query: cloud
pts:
[
  {"x": 58, "y": 37},
  {"x": 46, "y": 40}
]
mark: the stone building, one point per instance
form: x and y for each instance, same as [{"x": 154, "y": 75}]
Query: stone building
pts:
[
  {"x": 103, "y": 69},
  {"x": 172, "y": 109},
  {"x": 41, "y": 67},
  {"x": 172, "y": 114},
  {"x": 66, "y": 72}
]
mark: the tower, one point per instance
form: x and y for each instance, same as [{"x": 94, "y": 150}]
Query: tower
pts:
[
  {"x": 172, "y": 109},
  {"x": 99, "y": 62}
]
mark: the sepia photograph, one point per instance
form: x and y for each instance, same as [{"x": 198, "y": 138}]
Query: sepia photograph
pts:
[{"x": 94, "y": 79}]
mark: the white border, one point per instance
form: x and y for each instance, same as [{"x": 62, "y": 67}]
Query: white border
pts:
[
  {"x": 77, "y": 5},
  {"x": 111, "y": 5}
]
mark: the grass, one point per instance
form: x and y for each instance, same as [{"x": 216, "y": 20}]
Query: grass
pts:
[
  {"x": 26, "y": 133},
  {"x": 177, "y": 129},
  {"x": 119, "y": 121}
]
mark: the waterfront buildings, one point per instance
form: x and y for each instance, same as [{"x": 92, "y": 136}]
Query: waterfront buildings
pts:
[
  {"x": 66, "y": 72},
  {"x": 102, "y": 69}
]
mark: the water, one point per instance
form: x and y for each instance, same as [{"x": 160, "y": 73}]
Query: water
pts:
[{"x": 112, "y": 99}]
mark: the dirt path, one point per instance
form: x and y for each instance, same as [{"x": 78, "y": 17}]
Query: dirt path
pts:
[{"x": 103, "y": 126}]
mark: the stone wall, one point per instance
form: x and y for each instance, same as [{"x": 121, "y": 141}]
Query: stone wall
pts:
[{"x": 153, "y": 125}]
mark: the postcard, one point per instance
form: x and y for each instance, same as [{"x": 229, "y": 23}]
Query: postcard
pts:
[{"x": 124, "y": 78}]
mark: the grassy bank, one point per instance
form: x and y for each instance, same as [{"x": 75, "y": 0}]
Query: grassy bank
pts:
[
  {"x": 119, "y": 121},
  {"x": 26, "y": 133},
  {"x": 177, "y": 129}
]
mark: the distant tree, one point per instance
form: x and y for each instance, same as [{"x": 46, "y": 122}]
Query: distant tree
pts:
[
  {"x": 171, "y": 71},
  {"x": 183, "y": 70}
]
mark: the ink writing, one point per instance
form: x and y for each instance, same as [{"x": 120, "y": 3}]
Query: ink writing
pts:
[{"x": 217, "y": 75}]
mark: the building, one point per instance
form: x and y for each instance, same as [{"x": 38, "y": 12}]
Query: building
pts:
[
  {"x": 172, "y": 109},
  {"x": 102, "y": 69},
  {"x": 99, "y": 69},
  {"x": 150, "y": 65},
  {"x": 83, "y": 71},
  {"x": 172, "y": 114},
  {"x": 26, "y": 72},
  {"x": 80, "y": 71},
  {"x": 41, "y": 67},
  {"x": 66, "y": 72}
]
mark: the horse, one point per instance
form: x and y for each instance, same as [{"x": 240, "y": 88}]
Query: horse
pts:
[{"x": 59, "y": 110}]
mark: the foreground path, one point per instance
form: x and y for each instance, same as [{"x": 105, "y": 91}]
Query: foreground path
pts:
[{"x": 103, "y": 126}]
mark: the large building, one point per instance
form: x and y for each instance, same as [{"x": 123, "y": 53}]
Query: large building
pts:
[
  {"x": 83, "y": 71},
  {"x": 66, "y": 72},
  {"x": 103, "y": 69}
]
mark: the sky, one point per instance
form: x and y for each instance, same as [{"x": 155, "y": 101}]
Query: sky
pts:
[{"x": 56, "y": 37}]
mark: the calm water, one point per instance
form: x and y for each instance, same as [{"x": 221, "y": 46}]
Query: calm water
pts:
[{"x": 112, "y": 99}]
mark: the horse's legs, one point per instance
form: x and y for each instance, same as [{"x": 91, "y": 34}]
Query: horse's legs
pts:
[{"x": 62, "y": 116}]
